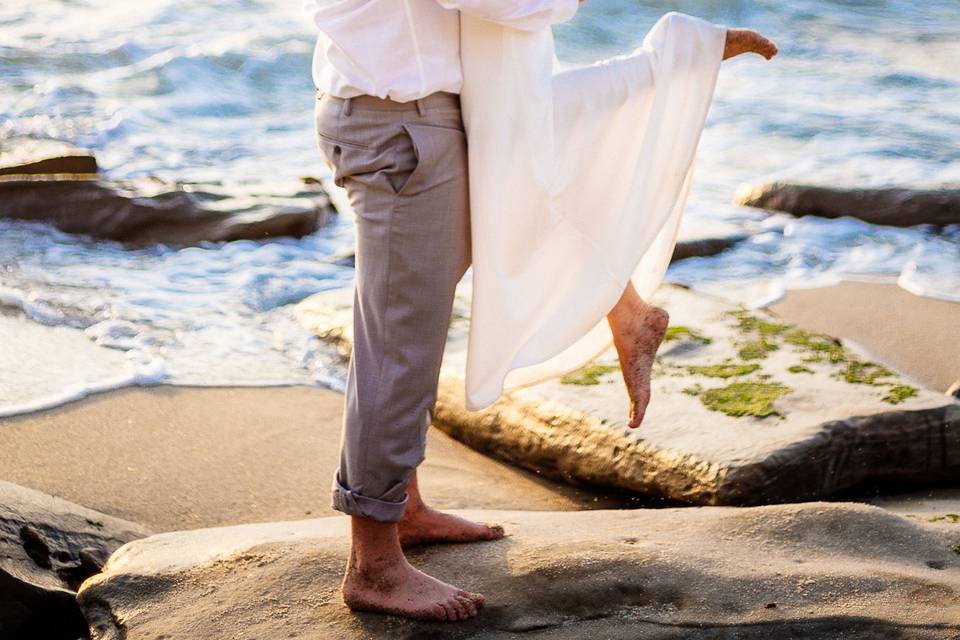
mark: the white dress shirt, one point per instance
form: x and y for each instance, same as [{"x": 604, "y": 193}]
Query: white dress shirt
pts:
[{"x": 408, "y": 49}]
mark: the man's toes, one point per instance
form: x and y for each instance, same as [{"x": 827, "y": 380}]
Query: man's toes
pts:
[
  {"x": 438, "y": 612},
  {"x": 450, "y": 614},
  {"x": 459, "y": 610},
  {"x": 476, "y": 598},
  {"x": 468, "y": 604},
  {"x": 495, "y": 531}
]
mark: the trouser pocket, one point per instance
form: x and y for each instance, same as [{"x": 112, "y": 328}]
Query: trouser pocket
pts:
[{"x": 438, "y": 153}]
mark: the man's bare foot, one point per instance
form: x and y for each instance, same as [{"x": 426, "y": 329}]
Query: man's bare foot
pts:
[
  {"x": 422, "y": 525},
  {"x": 637, "y": 339},
  {"x": 748, "y": 41},
  {"x": 379, "y": 578},
  {"x": 426, "y": 526},
  {"x": 395, "y": 587}
]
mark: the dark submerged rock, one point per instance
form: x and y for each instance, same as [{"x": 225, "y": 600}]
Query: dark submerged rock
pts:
[
  {"x": 894, "y": 207},
  {"x": 705, "y": 247},
  {"x": 55, "y": 182},
  {"x": 27, "y": 156},
  {"x": 148, "y": 211}
]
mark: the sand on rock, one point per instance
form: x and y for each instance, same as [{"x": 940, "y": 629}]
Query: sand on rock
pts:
[{"x": 811, "y": 570}]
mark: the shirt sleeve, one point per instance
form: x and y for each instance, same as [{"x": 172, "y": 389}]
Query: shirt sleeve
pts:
[{"x": 529, "y": 15}]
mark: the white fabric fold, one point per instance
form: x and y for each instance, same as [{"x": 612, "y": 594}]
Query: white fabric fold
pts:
[{"x": 578, "y": 181}]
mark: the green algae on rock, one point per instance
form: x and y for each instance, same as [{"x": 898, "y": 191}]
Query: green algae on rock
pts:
[
  {"x": 748, "y": 323},
  {"x": 685, "y": 333},
  {"x": 818, "y": 345},
  {"x": 757, "y": 349},
  {"x": 900, "y": 392},
  {"x": 588, "y": 375},
  {"x": 723, "y": 370},
  {"x": 949, "y": 517},
  {"x": 871, "y": 373},
  {"x": 741, "y": 399}
]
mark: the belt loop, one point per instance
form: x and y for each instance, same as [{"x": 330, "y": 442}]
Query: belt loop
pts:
[
  {"x": 421, "y": 109},
  {"x": 347, "y": 106}
]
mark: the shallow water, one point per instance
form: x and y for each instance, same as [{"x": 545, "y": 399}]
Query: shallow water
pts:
[{"x": 865, "y": 93}]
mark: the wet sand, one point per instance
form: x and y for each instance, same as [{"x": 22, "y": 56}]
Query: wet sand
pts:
[
  {"x": 184, "y": 457},
  {"x": 918, "y": 336}
]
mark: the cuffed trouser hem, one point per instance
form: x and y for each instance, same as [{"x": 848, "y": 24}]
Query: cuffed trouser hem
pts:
[{"x": 354, "y": 504}]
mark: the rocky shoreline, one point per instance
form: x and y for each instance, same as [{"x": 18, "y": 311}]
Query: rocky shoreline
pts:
[{"x": 751, "y": 411}]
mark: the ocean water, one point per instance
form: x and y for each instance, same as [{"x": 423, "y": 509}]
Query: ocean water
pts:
[{"x": 864, "y": 93}]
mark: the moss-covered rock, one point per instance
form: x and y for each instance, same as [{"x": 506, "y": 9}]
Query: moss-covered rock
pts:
[
  {"x": 685, "y": 333},
  {"x": 899, "y": 393},
  {"x": 706, "y": 439},
  {"x": 860, "y": 372},
  {"x": 949, "y": 517},
  {"x": 723, "y": 370},
  {"x": 821, "y": 347},
  {"x": 748, "y": 323},
  {"x": 745, "y": 399},
  {"x": 589, "y": 375},
  {"x": 757, "y": 349}
]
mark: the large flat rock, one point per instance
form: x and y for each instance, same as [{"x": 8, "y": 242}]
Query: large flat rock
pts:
[
  {"x": 49, "y": 546},
  {"x": 746, "y": 410},
  {"x": 795, "y": 571}
]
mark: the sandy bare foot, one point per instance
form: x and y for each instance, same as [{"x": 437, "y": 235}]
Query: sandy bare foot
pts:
[
  {"x": 748, "y": 41},
  {"x": 397, "y": 588},
  {"x": 426, "y": 526},
  {"x": 637, "y": 345}
]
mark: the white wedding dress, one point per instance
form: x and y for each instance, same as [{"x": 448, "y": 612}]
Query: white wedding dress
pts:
[{"x": 577, "y": 184}]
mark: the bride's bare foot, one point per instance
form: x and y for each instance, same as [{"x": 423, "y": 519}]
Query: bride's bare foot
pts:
[
  {"x": 395, "y": 587},
  {"x": 748, "y": 41},
  {"x": 426, "y": 526},
  {"x": 637, "y": 337}
]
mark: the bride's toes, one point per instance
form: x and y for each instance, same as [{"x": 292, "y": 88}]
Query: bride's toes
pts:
[
  {"x": 766, "y": 47},
  {"x": 741, "y": 41}
]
